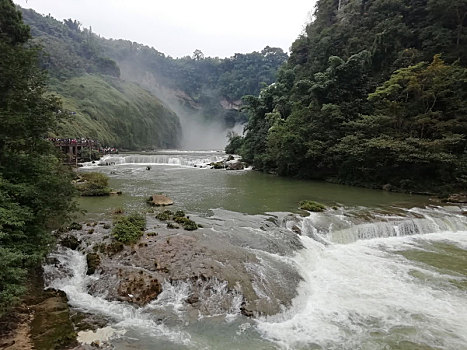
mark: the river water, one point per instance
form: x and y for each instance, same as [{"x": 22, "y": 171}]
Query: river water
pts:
[{"x": 378, "y": 270}]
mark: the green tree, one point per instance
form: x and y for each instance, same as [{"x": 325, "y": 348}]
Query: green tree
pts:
[{"x": 35, "y": 190}]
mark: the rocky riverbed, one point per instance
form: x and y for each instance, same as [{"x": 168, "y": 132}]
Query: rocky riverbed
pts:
[{"x": 202, "y": 258}]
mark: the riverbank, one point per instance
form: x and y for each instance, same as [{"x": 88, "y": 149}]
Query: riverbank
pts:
[{"x": 42, "y": 321}]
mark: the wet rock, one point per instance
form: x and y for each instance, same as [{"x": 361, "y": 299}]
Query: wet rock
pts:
[
  {"x": 93, "y": 260},
  {"x": 138, "y": 287},
  {"x": 159, "y": 200},
  {"x": 235, "y": 166},
  {"x": 51, "y": 327},
  {"x": 192, "y": 299},
  {"x": 75, "y": 226},
  {"x": 457, "y": 198},
  {"x": 296, "y": 229},
  {"x": 246, "y": 311},
  {"x": 387, "y": 187},
  {"x": 70, "y": 242},
  {"x": 217, "y": 165}
]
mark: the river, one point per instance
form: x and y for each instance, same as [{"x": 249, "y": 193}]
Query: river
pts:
[{"x": 377, "y": 270}]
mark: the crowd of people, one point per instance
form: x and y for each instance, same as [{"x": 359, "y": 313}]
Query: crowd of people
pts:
[{"x": 83, "y": 142}]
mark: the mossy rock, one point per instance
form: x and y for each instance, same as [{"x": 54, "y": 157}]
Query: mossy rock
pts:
[
  {"x": 172, "y": 225},
  {"x": 51, "y": 327},
  {"x": 114, "y": 248},
  {"x": 179, "y": 213},
  {"x": 93, "y": 185},
  {"x": 165, "y": 215},
  {"x": 186, "y": 223},
  {"x": 75, "y": 226},
  {"x": 93, "y": 260},
  {"x": 129, "y": 229},
  {"x": 218, "y": 165},
  {"x": 70, "y": 242},
  {"x": 312, "y": 206}
]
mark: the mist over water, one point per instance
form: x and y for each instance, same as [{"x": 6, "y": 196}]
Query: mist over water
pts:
[
  {"x": 200, "y": 131},
  {"x": 204, "y": 135}
]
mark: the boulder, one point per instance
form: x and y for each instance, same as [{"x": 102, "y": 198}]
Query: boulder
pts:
[
  {"x": 235, "y": 166},
  {"x": 138, "y": 287},
  {"x": 458, "y": 198},
  {"x": 70, "y": 242},
  {"x": 159, "y": 200},
  {"x": 93, "y": 260}
]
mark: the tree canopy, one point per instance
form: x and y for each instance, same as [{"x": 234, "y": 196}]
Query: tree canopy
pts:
[
  {"x": 374, "y": 93},
  {"x": 35, "y": 190}
]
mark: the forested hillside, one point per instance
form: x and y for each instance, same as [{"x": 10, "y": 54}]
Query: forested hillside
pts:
[
  {"x": 209, "y": 87},
  {"x": 96, "y": 102},
  {"x": 374, "y": 94},
  {"x": 206, "y": 88}
]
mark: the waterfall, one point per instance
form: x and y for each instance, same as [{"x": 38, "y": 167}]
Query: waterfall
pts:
[
  {"x": 348, "y": 229},
  {"x": 367, "y": 294}
]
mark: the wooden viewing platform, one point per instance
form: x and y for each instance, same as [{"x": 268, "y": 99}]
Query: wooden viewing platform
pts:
[{"x": 73, "y": 148}]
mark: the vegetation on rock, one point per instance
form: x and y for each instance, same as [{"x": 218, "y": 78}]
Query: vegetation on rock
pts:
[
  {"x": 312, "y": 206},
  {"x": 129, "y": 229},
  {"x": 93, "y": 184}
]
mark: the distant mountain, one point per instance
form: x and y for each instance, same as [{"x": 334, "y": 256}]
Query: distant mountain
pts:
[
  {"x": 200, "y": 90},
  {"x": 98, "y": 103}
]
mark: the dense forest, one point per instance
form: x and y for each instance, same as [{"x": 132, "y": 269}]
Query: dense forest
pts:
[
  {"x": 374, "y": 94},
  {"x": 210, "y": 88},
  {"x": 35, "y": 189}
]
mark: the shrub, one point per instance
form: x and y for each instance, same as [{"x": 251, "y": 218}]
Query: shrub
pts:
[
  {"x": 95, "y": 184},
  {"x": 312, "y": 206},
  {"x": 187, "y": 224},
  {"x": 165, "y": 215},
  {"x": 129, "y": 229},
  {"x": 75, "y": 226},
  {"x": 179, "y": 213}
]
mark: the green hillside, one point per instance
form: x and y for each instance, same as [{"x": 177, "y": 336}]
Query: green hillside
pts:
[
  {"x": 97, "y": 103},
  {"x": 194, "y": 86},
  {"x": 374, "y": 94},
  {"x": 116, "y": 113}
]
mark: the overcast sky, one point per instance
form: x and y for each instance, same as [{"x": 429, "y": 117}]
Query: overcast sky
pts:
[{"x": 178, "y": 27}]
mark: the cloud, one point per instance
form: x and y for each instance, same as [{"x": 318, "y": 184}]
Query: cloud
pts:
[{"x": 178, "y": 27}]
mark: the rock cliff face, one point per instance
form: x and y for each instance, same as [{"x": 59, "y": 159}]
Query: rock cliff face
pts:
[{"x": 207, "y": 260}]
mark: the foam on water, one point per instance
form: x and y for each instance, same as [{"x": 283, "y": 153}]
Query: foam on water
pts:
[
  {"x": 122, "y": 315},
  {"x": 201, "y": 160},
  {"x": 365, "y": 295}
]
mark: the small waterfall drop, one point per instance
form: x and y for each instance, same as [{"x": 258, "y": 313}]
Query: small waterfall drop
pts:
[
  {"x": 191, "y": 159},
  {"x": 68, "y": 273},
  {"x": 365, "y": 294},
  {"x": 338, "y": 228}
]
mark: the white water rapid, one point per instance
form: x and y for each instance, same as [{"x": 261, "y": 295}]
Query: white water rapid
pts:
[
  {"x": 371, "y": 280},
  {"x": 367, "y": 294},
  {"x": 180, "y": 158}
]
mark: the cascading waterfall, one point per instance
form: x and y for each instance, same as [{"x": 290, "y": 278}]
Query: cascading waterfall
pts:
[
  {"x": 358, "y": 289},
  {"x": 347, "y": 229},
  {"x": 365, "y": 294},
  {"x": 181, "y": 159},
  {"x": 68, "y": 273}
]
